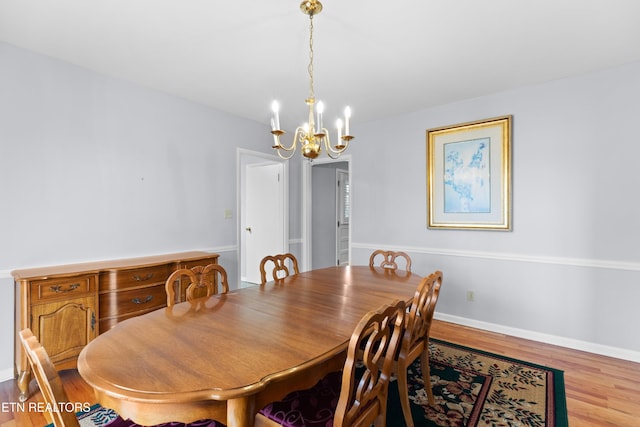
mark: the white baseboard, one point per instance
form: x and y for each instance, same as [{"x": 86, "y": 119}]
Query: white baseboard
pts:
[
  {"x": 6, "y": 374},
  {"x": 604, "y": 350}
]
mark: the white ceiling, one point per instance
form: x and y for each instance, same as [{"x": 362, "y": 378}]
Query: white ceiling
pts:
[{"x": 383, "y": 58}]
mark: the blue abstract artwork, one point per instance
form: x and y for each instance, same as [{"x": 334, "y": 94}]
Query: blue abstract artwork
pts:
[{"x": 467, "y": 176}]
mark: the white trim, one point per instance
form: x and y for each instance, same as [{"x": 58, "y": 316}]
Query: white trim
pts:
[
  {"x": 6, "y": 274},
  {"x": 307, "y": 208},
  {"x": 576, "y": 262},
  {"x": 619, "y": 353},
  {"x": 219, "y": 249},
  {"x": 6, "y": 375},
  {"x": 306, "y": 216}
]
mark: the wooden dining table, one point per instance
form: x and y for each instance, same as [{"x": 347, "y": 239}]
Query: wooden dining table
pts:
[{"x": 226, "y": 356}]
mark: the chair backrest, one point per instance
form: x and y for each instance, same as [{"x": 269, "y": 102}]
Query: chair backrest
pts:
[
  {"x": 48, "y": 380},
  {"x": 389, "y": 259},
  {"x": 420, "y": 315},
  {"x": 374, "y": 343},
  {"x": 280, "y": 268},
  {"x": 202, "y": 282}
]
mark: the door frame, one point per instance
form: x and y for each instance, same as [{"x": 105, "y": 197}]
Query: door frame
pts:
[
  {"x": 340, "y": 211},
  {"x": 307, "y": 211},
  {"x": 242, "y": 155}
]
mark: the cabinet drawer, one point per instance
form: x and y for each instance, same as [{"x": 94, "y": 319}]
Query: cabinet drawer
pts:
[
  {"x": 107, "y": 323},
  {"x": 122, "y": 279},
  {"x": 196, "y": 262},
  {"x": 69, "y": 287},
  {"x": 114, "y": 304}
]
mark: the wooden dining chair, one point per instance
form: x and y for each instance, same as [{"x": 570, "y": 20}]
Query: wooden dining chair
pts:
[
  {"x": 48, "y": 380},
  {"x": 55, "y": 396},
  {"x": 389, "y": 259},
  {"x": 356, "y": 397},
  {"x": 415, "y": 342},
  {"x": 280, "y": 267},
  {"x": 202, "y": 282}
]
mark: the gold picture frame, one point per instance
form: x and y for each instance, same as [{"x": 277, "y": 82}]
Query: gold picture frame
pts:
[{"x": 469, "y": 175}]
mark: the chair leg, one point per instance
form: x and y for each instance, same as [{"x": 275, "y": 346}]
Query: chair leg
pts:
[
  {"x": 403, "y": 392},
  {"x": 381, "y": 420},
  {"x": 426, "y": 376}
]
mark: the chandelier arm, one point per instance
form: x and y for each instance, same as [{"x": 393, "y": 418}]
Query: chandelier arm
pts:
[
  {"x": 285, "y": 157},
  {"x": 332, "y": 156},
  {"x": 292, "y": 147},
  {"x": 327, "y": 143},
  {"x": 299, "y": 133}
]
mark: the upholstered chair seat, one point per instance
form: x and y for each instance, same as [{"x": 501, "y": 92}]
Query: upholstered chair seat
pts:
[{"x": 355, "y": 397}]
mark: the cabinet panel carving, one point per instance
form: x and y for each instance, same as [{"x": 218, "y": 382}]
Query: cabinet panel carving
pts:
[{"x": 65, "y": 327}]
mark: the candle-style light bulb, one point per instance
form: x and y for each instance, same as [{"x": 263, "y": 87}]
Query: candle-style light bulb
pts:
[
  {"x": 275, "y": 107},
  {"x": 339, "y": 126},
  {"x": 319, "y": 112},
  {"x": 347, "y": 116},
  {"x": 276, "y": 141}
]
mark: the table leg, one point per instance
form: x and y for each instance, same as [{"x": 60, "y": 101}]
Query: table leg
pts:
[{"x": 241, "y": 412}]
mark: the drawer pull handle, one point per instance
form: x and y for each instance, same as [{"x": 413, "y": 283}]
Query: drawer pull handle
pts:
[
  {"x": 58, "y": 289},
  {"x": 139, "y": 301},
  {"x": 141, "y": 278}
]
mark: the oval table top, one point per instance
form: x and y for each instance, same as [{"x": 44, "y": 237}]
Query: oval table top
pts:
[{"x": 234, "y": 345}]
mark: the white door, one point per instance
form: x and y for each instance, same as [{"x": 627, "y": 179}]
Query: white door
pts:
[
  {"x": 343, "y": 205},
  {"x": 264, "y": 224}
]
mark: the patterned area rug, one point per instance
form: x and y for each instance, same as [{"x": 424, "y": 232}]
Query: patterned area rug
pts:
[
  {"x": 471, "y": 387},
  {"x": 476, "y": 388},
  {"x": 98, "y": 416}
]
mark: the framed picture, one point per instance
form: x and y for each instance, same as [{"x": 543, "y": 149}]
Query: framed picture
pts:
[{"x": 469, "y": 175}]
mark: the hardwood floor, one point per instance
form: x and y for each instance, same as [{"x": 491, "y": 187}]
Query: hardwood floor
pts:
[{"x": 601, "y": 391}]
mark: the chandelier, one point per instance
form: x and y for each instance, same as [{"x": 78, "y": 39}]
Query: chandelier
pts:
[{"x": 312, "y": 135}]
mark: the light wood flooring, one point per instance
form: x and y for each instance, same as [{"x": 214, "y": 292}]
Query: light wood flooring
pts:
[{"x": 601, "y": 391}]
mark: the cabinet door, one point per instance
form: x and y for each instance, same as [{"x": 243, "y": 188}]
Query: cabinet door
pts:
[{"x": 65, "y": 327}]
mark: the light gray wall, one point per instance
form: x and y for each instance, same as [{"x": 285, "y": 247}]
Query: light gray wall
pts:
[
  {"x": 569, "y": 272},
  {"x": 95, "y": 168}
]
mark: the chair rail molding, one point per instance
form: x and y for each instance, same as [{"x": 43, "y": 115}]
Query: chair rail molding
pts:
[{"x": 566, "y": 261}]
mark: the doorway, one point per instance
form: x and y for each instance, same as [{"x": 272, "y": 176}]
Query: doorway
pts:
[
  {"x": 263, "y": 207},
  {"x": 326, "y": 231}
]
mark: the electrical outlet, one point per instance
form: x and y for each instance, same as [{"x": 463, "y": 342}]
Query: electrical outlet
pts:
[{"x": 471, "y": 296}]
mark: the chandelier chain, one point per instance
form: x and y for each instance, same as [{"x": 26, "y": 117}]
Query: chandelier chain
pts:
[{"x": 310, "y": 68}]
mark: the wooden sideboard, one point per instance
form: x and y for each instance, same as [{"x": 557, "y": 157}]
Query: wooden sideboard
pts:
[{"x": 67, "y": 306}]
